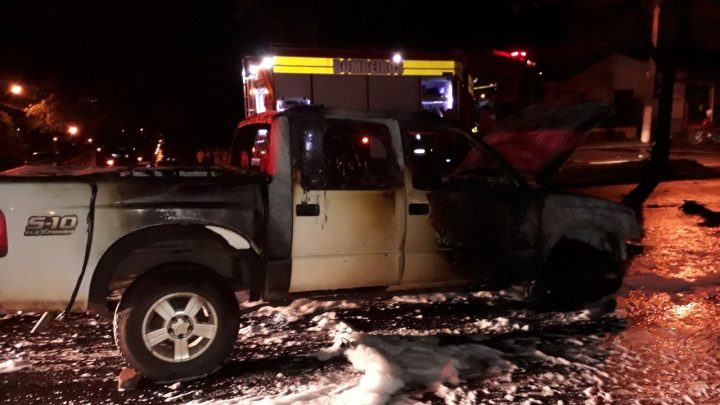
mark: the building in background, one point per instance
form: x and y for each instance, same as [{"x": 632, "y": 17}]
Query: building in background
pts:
[
  {"x": 623, "y": 82},
  {"x": 618, "y": 80}
]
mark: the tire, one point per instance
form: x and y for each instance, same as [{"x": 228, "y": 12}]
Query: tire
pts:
[
  {"x": 574, "y": 275},
  {"x": 175, "y": 326},
  {"x": 696, "y": 137}
]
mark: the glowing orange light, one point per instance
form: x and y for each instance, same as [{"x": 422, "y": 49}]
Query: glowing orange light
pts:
[
  {"x": 365, "y": 140},
  {"x": 16, "y": 89},
  {"x": 73, "y": 130}
]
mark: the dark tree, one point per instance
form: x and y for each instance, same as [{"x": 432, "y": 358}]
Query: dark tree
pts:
[{"x": 12, "y": 145}]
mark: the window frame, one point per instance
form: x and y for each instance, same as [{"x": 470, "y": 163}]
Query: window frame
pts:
[
  {"x": 298, "y": 130},
  {"x": 235, "y": 148},
  {"x": 406, "y": 126}
]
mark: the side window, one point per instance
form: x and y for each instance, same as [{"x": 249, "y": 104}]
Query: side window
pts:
[
  {"x": 346, "y": 155},
  {"x": 432, "y": 153},
  {"x": 250, "y": 148}
]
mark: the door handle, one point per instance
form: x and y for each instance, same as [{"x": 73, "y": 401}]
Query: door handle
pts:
[
  {"x": 307, "y": 210},
  {"x": 418, "y": 209}
]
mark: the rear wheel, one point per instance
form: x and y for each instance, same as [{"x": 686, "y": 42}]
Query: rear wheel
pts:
[
  {"x": 696, "y": 137},
  {"x": 174, "y": 326},
  {"x": 576, "y": 274}
]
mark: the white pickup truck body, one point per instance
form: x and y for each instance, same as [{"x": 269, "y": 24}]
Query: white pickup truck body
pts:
[{"x": 317, "y": 201}]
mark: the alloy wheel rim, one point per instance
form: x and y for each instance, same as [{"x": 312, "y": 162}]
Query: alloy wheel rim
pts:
[{"x": 179, "y": 327}]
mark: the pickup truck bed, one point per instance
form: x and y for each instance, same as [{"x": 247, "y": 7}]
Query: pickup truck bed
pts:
[{"x": 61, "y": 222}]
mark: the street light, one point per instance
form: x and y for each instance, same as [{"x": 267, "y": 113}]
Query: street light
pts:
[
  {"x": 16, "y": 89},
  {"x": 73, "y": 130}
]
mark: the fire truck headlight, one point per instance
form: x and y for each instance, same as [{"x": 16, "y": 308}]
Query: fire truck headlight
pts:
[{"x": 267, "y": 62}]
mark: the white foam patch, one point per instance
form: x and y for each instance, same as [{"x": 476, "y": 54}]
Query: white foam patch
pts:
[
  {"x": 386, "y": 364},
  {"x": 303, "y": 306},
  {"x": 428, "y": 298},
  {"x": 391, "y": 368},
  {"x": 512, "y": 293},
  {"x": 9, "y": 366}
]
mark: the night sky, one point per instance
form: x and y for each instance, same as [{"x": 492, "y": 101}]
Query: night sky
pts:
[{"x": 174, "y": 66}]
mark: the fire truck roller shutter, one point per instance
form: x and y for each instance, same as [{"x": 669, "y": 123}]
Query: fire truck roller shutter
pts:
[{"x": 394, "y": 93}]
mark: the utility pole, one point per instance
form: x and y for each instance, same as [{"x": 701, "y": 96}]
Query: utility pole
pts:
[
  {"x": 668, "y": 55},
  {"x": 646, "y": 133}
]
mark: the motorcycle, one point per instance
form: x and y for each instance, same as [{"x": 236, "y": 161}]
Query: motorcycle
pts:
[{"x": 706, "y": 133}]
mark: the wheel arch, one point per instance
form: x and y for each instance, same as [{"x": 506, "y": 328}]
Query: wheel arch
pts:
[
  {"x": 210, "y": 247},
  {"x": 591, "y": 235}
]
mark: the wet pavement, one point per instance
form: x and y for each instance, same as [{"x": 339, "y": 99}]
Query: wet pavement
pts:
[
  {"x": 660, "y": 345},
  {"x": 618, "y": 152}
]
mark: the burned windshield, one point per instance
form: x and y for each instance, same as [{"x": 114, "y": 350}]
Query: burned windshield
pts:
[{"x": 435, "y": 155}]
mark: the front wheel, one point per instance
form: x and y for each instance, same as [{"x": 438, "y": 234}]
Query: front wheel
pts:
[
  {"x": 574, "y": 275},
  {"x": 174, "y": 326}
]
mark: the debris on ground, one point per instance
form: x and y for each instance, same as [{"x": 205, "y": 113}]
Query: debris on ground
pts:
[{"x": 128, "y": 379}]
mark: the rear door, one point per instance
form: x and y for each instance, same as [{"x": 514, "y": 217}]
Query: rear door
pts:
[
  {"x": 47, "y": 237},
  {"x": 348, "y": 203},
  {"x": 430, "y": 154}
]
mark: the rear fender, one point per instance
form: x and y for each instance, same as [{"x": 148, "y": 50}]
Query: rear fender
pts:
[{"x": 227, "y": 253}]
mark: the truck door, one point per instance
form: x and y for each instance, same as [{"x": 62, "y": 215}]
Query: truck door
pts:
[
  {"x": 348, "y": 202},
  {"x": 47, "y": 237},
  {"x": 465, "y": 221},
  {"x": 430, "y": 154}
]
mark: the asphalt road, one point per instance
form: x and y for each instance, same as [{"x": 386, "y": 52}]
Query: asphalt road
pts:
[{"x": 613, "y": 153}]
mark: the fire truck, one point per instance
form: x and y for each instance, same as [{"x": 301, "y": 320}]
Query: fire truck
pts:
[
  {"x": 355, "y": 80},
  {"x": 454, "y": 85}
]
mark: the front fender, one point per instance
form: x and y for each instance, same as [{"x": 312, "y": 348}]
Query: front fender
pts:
[{"x": 603, "y": 224}]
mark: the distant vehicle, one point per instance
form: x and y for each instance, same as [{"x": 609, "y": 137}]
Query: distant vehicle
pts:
[
  {"x": 705, "y": 134},
  {"x": 319, "y": 202},
  {"x": 43, "y": 158},
  {"x": 121, "y": 157}
]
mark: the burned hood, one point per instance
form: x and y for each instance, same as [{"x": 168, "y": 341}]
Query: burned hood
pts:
[{"x": 538, "y": 140}]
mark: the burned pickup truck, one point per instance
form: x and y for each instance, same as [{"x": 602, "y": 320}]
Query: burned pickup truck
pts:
[{"x": 315, "y": 201}]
